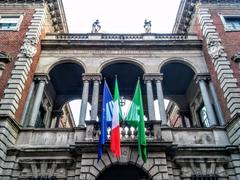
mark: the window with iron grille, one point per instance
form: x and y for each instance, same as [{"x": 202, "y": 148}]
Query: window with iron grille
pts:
[
  {"x": 10, "y": 22},
  {"x": 231, "y": 22},
  {"x": 204, "y": 177},
  {"x": 202, "y": 113}
]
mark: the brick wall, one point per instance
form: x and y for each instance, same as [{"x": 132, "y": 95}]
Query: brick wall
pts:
[
  {"x": 230, "y": 40},
  {"x": 11, "y": 41},
  {"x": 213, "y": 74}
]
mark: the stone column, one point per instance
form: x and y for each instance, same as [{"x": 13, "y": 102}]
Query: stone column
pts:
[
  {"x": 24, "y": 117},
  {"x": 160, "y": 97},
  {"x": 42, "y": 80},
  {"x": 151, "y": 111},
  {"x": 85, "y": 92},
  {"x": 95, "y": 94},
  {"x": 203, "y": 88},
  {"x": 216, "y": 104}
]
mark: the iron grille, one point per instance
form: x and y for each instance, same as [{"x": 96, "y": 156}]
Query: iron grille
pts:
[{"x": 204, "y": 177}]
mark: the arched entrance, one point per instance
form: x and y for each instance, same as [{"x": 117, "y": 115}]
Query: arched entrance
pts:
[
  {"x": 178, "y": 86},
  {"x": 127, "y": 74},
  {"x": 65, "y": 85},
  {"x": 123, "y": 172}
]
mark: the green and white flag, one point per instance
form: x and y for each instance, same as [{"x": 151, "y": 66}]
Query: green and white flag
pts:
[{"x": 135, "y": 118}]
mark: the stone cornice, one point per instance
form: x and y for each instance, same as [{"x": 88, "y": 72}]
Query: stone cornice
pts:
[{"x": 187, "y": 8}]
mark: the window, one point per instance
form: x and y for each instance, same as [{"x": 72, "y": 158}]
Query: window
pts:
[
  {"x": 203, "y": 116},
  {"x": 10, "y": 22},
  {"x": 231, "y": 23}
]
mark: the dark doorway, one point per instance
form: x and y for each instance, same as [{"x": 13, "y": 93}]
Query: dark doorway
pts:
[{"x": 124, "y": 172}]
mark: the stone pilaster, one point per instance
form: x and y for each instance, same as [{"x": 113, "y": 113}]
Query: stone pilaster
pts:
[
  {"x": 228, "y": 83},
  {"x": 16, "y": 84}
]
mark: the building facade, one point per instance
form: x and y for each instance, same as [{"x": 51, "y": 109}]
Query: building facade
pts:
[{"x": 43, "y": 68}]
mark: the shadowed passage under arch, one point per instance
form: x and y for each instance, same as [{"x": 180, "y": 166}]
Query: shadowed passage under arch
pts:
[
  {"x": 124, "y": 172},
  {"x": 178, "y": 83}
]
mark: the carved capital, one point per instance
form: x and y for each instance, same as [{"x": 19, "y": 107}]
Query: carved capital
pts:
[
  {"x": 92, "y": 77},
  {"x": 153, "y": 77},
  {"x": 202, "y": 77},
  {"x": 29, "y": 48},
  {"x": 42, "y": 77}
]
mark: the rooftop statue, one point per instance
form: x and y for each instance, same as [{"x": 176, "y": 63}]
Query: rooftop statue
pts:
[
  {"x": 96, "y": 26},
  {"x": 147, "y": 26}
]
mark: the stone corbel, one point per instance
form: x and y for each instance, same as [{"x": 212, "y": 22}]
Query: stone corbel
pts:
[{"x": 4, "y": 59}]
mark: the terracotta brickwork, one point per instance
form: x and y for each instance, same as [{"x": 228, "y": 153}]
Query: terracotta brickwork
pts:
[
  {"x": 230, "y": 39},
  {"x": 11, "y": 41}
]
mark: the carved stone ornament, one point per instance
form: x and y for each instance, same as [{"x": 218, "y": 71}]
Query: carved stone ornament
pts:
[
  {"x": 29, "y": 48},
  {"x": 236, "y": 57},
  {"x": 215, "y": 49},
  {"x": 44, "y": 168},
  {"x": 4, "y": 59},
  {"x": 202, "y": 166}
]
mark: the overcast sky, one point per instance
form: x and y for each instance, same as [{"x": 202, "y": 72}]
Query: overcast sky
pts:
[{"x": 122, "y": 16}]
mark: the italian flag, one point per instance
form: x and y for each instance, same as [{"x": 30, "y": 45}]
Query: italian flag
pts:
[{"x": 116, "y": 116}]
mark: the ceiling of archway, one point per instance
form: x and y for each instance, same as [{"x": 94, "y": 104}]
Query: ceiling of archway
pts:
[
  {"x": 127, "y": 74},
  {"x": 176, "y": 78},
  {"x": 66, "y": 79}
]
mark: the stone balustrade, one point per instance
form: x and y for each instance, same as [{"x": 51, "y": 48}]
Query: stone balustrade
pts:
[
  {"x": 121, "y": 37},
  {"x": 31, "y": 137}
]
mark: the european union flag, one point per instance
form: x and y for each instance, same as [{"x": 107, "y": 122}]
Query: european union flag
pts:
[{"x": 106, "y": 119}]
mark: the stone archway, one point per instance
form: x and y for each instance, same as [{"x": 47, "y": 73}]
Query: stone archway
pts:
[
  {"x": 120, "y": 172},
  {"x": 154, "y": 169}
]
